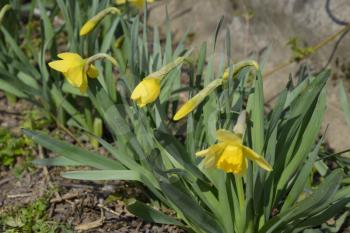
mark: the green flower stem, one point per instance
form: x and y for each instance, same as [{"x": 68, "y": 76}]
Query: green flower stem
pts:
[
  {"x": 109, "y": 10},
  {"x": 99, "y": 56},
  {"x": 160, "y": 74},
  {"x": 241, "y": 199},
  {"x": 3, "y": 11},
  {"x": 240, "y": 65}
]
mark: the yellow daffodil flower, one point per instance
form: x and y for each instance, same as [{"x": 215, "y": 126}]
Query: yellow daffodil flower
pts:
[
  {"x": 72, "y": 66},
  {"x": 230, "y": 155},
  {"x": 147, "y": 91},
  {"x": 136, "y": 3},
  {"x": 91, "y": 23}
]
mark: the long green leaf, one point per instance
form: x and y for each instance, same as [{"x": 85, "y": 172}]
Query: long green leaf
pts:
[
  {"x": 147, "y": 213},
  {"x": 72, "y": 152},
  {"x": 103, "y": 175}
]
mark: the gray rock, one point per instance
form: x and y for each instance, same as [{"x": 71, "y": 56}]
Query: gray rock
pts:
[{"x": 255, "y": 25}]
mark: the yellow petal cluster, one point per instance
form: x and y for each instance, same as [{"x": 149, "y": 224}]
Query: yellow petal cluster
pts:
[
  {"x": 230, "y": 155},
  {"x": 136, "y": 3},
  {"x": 147, "y": 91},
  {"x": 72, "y": 66}
]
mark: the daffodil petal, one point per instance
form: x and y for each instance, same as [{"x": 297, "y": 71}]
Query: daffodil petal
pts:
[
  {"x": 252, "y": 155},
  {"x": 212, "y": 150},
  {"x": 146, "y": 91},
  {"x": 75, "y": 75},
  {"x": 209, "y": 161},
  {"x": 60, "y": 65},
  {"x": 70, "y": 56},
  {"x": 92, "y": 71},
  {"x": 227, "y": 136}
]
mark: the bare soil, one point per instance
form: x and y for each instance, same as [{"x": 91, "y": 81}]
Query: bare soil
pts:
[{"x": 84, "y": 206}]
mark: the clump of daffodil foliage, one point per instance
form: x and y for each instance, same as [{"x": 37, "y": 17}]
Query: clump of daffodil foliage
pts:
[{"x": 195, "y": 135}]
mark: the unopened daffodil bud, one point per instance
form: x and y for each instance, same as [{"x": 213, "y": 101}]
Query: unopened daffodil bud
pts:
[
  {"x": 230, "y": 155},
  {"x": 90, "y": 25},
  {"x": 148, "y": 90},
  {"x": 190, "y": 105},
  {"x": 136, "y": 3},
  {"x": 239, "y": 66}
]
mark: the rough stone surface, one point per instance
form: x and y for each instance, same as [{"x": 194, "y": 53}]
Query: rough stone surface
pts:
[{"x": 255, "y": 25}]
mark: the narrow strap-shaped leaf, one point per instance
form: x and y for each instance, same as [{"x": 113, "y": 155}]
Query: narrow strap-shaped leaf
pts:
[
  {"x": 301, "y": 179},
  {"x": 190, "y": 208},
  {"x": 147, "y": 213},
  {"x": 309, "y": 136},
  {"x": 56, "y": 161},
  {"x": 103, "y": 175},
  {"x": 325, "y": 192},
  {"x": 344, "y": 101},
  {"x": 73, "y": 152}
]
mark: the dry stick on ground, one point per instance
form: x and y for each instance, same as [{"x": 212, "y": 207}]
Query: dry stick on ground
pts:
[
  {"x": 91, "y": 225},
  {"x": 109, "y": 210},
  {"x": 314, "y": 49},
  {"x": 19, "y": 195}
]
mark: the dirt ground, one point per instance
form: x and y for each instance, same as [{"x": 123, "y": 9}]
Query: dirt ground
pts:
[{"x": 82, "y": 206}]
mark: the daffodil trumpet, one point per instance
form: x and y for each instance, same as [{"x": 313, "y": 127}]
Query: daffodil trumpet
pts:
[
  {"x": 148, "y": 90},
  {"x": 90, "y": 25},
  {"x": 238, "y": 67},
  {"x": 230, "y": 155}
]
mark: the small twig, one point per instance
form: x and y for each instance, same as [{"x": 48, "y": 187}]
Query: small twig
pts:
[
  {"x": 90, "y": 225},
  {"x": 65, "y": 197},
  {"x": 5, "y": 180},
  {"x": 109, "y": 210},
  {"x": 19, "y": 195},
  {"x": 314, "y": 49}
]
